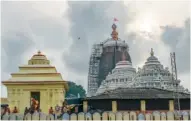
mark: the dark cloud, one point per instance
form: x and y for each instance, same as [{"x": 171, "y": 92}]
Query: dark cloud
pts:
[
  {"x": 178, "y": 38},
  {"x": 50, "y": 33},
  {"x": 24, "y": 28},
  {"x": 47, "y": 31},
  {"x": 91, "y": 21},
  {"x": 14, "y": 45}
]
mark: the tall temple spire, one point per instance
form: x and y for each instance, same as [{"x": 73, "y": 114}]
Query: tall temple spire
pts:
[
  {"x": 114, "y": 33},
  {"x": 152, "y": 52}
]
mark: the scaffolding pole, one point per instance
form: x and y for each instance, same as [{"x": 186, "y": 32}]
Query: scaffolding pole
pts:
[
  {"x": 94, "y": 69},
  {"x": 175, "y": 82}
]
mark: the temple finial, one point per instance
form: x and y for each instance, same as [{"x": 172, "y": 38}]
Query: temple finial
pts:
[
  {"x": 39, "y": 52},
  {"x": 152, "y": 52},
  {"x": 114, "y": 33}
]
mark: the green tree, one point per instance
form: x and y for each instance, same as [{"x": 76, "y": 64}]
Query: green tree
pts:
[{"x": 74, "y": 90}]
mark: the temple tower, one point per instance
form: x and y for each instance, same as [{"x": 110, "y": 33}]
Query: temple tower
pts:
[
  {"x": 104, "y": 58},
  {"x": 113, "y": 49}
]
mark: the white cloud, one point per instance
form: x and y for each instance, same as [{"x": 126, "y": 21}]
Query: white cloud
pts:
[{"x": 185, "y": 80}]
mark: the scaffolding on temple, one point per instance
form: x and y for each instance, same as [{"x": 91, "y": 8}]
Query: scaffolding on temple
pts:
[
  {"x": 94, "y": 69},
  {"x": 176, "y": 83}
]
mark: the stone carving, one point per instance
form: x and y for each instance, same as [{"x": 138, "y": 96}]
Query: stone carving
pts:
[
  {"x": 12, "y": 117},
  {"x": 141, "y": 116},
  {"x": 132, "y": 115},
  {"x": 73, "y": 116},
  {"x": 125, "y": 116},
  {"x": 111, "y": 116},
  {"x": 119, "y": 116},
  {"x": 185, "y": 115},
  {"x": 28, "y": 116},
  {"x": 43, "y": 116},
  {"x": 148, "y": 116},
  {"x": 104, "y": 116},
  {"x": 81, "y": 116},
  {"x": 50, "y": 117},
  {"x": 35, "y": 116},
  {"x": 88, "y": 116},
  {"x": 20, "y": 116},
  {"x": 163, "y": 116},
  {"x": 170, "y": 115},
  {"x": 65, "y": 116},
  {"x": 6, "y": 117},
  {"x": 96, "y": 116},
  {"x": 156, "y": 115}
]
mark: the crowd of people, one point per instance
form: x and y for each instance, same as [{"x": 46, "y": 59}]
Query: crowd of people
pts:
[
  {"x": 6, "y": 110},
  {"x": 57, "y": 110},
  {"x": 65, "y": 108}
]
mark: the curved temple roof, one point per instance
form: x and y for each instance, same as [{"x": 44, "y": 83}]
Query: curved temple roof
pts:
[
  {"x": 152, "y": 75},
  {"x": 121, "y": 75}
]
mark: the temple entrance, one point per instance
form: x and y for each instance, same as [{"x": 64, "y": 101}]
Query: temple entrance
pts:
[{"x": 36, "y": 96}]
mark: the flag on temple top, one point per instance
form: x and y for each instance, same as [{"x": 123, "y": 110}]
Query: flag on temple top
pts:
[{"x": 115, "y": 19}]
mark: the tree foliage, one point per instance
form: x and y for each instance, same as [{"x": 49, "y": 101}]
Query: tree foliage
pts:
[{"x": 74, "y": 90}]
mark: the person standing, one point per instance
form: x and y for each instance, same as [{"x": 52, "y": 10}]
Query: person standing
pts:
[
  {"x": 51, "y": 111},
  {"x": 15, "y": 110},
  {"x": 8, "y": 110},
  {"x": 57, "y": 109},
  {"x": 26, "y": 111}
]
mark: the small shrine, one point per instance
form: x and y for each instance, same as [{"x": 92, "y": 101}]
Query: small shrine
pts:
[{"x": 37, "y": 80}]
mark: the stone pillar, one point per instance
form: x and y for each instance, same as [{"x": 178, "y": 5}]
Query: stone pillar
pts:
[
  {"x": 61, "y": 98},
  {"x": 114, "y": 106},
  {"x": 44, "y": 101},
  {"x": 49, "y": 98},
  {"x": 171, "y": 105},
  {"x": 143, "y": 105},
  {"x": 53, "y": 98},
  {"x": 85, "y": 106}
]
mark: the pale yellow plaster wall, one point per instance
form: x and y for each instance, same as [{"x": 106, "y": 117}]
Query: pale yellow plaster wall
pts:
[
  {"x": 50, "y": 95},
  {"x": 37, "y": 70}
]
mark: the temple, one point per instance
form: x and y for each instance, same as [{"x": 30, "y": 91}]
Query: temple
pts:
[
  {"x": 117, "y": 86},
  {"x": 103, "y": 59},
  {"x": 120, "y": 76},
  {"x": 38, "y": 80},
  {"x": 152, "y": 75}
]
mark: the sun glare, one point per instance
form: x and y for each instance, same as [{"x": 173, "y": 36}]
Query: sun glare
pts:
[{"x": 146, "y": 25}]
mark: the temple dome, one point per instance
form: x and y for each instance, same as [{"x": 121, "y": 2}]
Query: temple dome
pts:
[
  {"x": 123, "y": 64},
  {"x": 120, "y": 76},
  {"x": 154, "y": 75},
  {"x": 152, "y": 60},
  {"x": 38, "y": 59}
]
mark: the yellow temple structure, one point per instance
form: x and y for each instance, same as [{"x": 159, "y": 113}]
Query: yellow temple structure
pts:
[{"x": 37, "y": 80}]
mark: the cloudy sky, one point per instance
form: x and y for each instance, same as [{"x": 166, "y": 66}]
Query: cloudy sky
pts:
[{"x": 54, "y": 27}]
